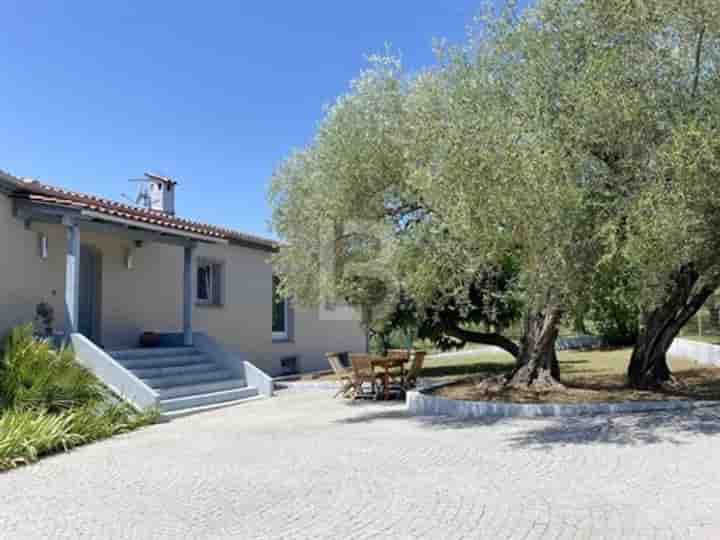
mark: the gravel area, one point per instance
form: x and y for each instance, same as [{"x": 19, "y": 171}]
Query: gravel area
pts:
[{"x": 305, "y": 466}]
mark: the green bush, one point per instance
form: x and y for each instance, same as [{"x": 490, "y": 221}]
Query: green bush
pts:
[
  {"x": 33, "y": 374},
  {"x": 614, "y": 303},
  {"x": 49, "y": 403},
  {"x": 28, "y": 434}
]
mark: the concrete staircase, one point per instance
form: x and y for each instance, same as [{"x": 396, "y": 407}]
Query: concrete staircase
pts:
[{"x": 186, "y": 380}]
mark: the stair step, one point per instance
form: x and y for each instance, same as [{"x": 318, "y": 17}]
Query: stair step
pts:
[
  {"x": 179, "y": 413},
  {"x": 201, "y": 388},
  {"x": 166, "y": 371},
  {"x": 169, "y": 381},
  {"x": 209, "y": 398},
  {"x": 164, "y": 361},
  {"x": 131, "y": 354}
]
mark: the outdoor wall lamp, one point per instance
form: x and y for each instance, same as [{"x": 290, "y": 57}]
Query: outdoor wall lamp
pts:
[{"x": 43, "y": 246}]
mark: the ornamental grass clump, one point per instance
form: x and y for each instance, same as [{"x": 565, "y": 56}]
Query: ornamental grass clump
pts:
[
  {"x": 34, "y": 374},
  {"x": 49, "y": 403}
]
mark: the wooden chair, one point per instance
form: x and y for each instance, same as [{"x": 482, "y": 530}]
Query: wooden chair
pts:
[
  {"x": 400, "y": 354},
  {"x": 416, "y": 366},
  {"x": 343, "y": 374},
  {"x": 362, "y": 373},
  {"x": 399, "y": 374}
]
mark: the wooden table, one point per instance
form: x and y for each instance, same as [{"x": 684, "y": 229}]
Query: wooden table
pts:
[{"x": 386, "y": 363}]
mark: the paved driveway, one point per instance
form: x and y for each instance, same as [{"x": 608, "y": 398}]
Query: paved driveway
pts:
[{"x": 305, "y": 466}]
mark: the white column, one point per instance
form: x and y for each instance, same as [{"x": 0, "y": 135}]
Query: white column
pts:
[
  {"x": 72, "y": 277},
  {"x": 187, "y": 296}
]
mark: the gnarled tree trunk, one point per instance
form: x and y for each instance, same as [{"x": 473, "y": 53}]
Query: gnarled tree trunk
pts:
[
  {"x": 648, "y": 365},
  {"x": 538, "y": 366}
]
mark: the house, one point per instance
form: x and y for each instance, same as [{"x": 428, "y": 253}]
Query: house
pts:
[{"x": 113, "y": 271}]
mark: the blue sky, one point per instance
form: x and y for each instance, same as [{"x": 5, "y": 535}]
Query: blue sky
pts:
[{"x": 214, "y": 94}]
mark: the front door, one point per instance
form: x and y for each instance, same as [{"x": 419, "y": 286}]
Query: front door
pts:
[{"x": 90, "y": 292}]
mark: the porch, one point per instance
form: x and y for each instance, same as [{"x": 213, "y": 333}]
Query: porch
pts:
[{"x": 118, "y": 274}]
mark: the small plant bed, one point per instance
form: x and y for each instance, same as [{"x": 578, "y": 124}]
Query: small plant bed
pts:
[
  {"x": 588, "y": 377},
  {"x": 50, "y": 404}
]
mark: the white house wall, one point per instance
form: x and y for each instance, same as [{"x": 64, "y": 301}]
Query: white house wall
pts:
[{"x": 26, "y": 279}]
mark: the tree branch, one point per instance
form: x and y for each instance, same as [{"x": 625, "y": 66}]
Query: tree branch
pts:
[{"x": 491, "y": 338}]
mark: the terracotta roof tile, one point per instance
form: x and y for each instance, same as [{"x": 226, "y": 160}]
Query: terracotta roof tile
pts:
[{"x": 47, "y": 194}]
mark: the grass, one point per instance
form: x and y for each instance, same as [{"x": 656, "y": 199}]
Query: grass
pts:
[
  {"x": 29, "y": 434},
  {"x": 49, "y": 403},
  {"x": 597, "y": 375},
  {"x": 573, "y": 364}
]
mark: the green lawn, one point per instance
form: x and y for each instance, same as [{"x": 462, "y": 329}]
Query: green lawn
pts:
[
  {"x": 573, "y": 364},
  {"x": 597, "y": 375},
  {"x": 588, "y": 376}
]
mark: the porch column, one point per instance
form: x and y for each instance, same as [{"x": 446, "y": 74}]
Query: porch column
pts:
[
  {"x": 187, "y": 296},
  {"x": 72, "y": 277}
]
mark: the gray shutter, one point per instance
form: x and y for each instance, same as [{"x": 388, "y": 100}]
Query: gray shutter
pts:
[{"x": 217, "y": 281}]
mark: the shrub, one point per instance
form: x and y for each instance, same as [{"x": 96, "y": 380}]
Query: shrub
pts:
[
  {"x": 614, "y": 304},
  {"x": 28, "y": 434},
  {"x": 49, "y": 403},
  {"x": 33, "y": 374}
]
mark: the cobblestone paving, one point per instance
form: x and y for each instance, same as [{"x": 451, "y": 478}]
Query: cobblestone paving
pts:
[{"x": 302, "y": 466}]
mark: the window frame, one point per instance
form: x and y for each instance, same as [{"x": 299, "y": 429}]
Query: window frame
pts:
[
  {"x": 283, "y": 335},
  {"x": 216, "y": 283}
]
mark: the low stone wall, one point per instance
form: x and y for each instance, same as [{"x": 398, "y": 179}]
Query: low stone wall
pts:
[
  {"x": 305, "y": 386},
  {"x": 422, "y": 403},
  {"x": 578, "y": 342},
  {"x": 702, "y": 353}
]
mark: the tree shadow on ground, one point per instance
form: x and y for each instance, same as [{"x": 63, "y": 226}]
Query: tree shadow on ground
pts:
[
  {"x": 633, "y": 429},
  {"x": 394, "y": 410},
  {"x": 675, "y": 427}
]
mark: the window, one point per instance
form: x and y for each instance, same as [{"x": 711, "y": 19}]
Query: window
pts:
[
  {"x": 209, "y": 283},
  {"x": 279, "y": 313}
]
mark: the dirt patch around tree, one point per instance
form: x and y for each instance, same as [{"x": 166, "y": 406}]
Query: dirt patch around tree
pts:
[{"x": 693, "y": 384}]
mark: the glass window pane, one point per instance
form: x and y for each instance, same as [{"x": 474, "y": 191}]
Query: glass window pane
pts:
[
  {"x": 278, "y": 314},
  {"x": 203, "y": 283}
]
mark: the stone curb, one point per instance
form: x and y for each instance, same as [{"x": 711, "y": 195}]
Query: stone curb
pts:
[
  {"x": 419, "y": 403},
  {"x": 304, "y": 386},
  {"x": 705, "y": 354}
]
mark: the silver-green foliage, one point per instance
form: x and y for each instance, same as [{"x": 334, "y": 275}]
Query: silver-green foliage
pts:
[{"x": 564, "y": 136}]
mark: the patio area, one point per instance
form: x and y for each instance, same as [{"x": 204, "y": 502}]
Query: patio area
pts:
[{"x": 306, "y": 466}]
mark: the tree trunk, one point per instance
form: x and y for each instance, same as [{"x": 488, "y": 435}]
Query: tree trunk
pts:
[
  {"x": 538, "y": 366},
  {"x": 648, "y": 364}
]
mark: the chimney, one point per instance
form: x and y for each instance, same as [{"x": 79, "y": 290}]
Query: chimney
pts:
[{"x": 161, "y": 191}]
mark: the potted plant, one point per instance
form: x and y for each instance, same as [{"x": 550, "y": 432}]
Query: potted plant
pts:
[
  {"x": 149, "y": 339},
  {"x": 44, "y": 320}
]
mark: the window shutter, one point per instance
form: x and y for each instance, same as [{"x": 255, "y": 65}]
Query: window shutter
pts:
[{"x": 217, "y": 284}]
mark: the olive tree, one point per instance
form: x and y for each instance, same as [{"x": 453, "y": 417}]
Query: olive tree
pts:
[
  {"x": 628, "y": 93},
  {"x": 563, "y": 137},
  {"x": 359, "y": 228},
  {"x": 643, "y": 107}
]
